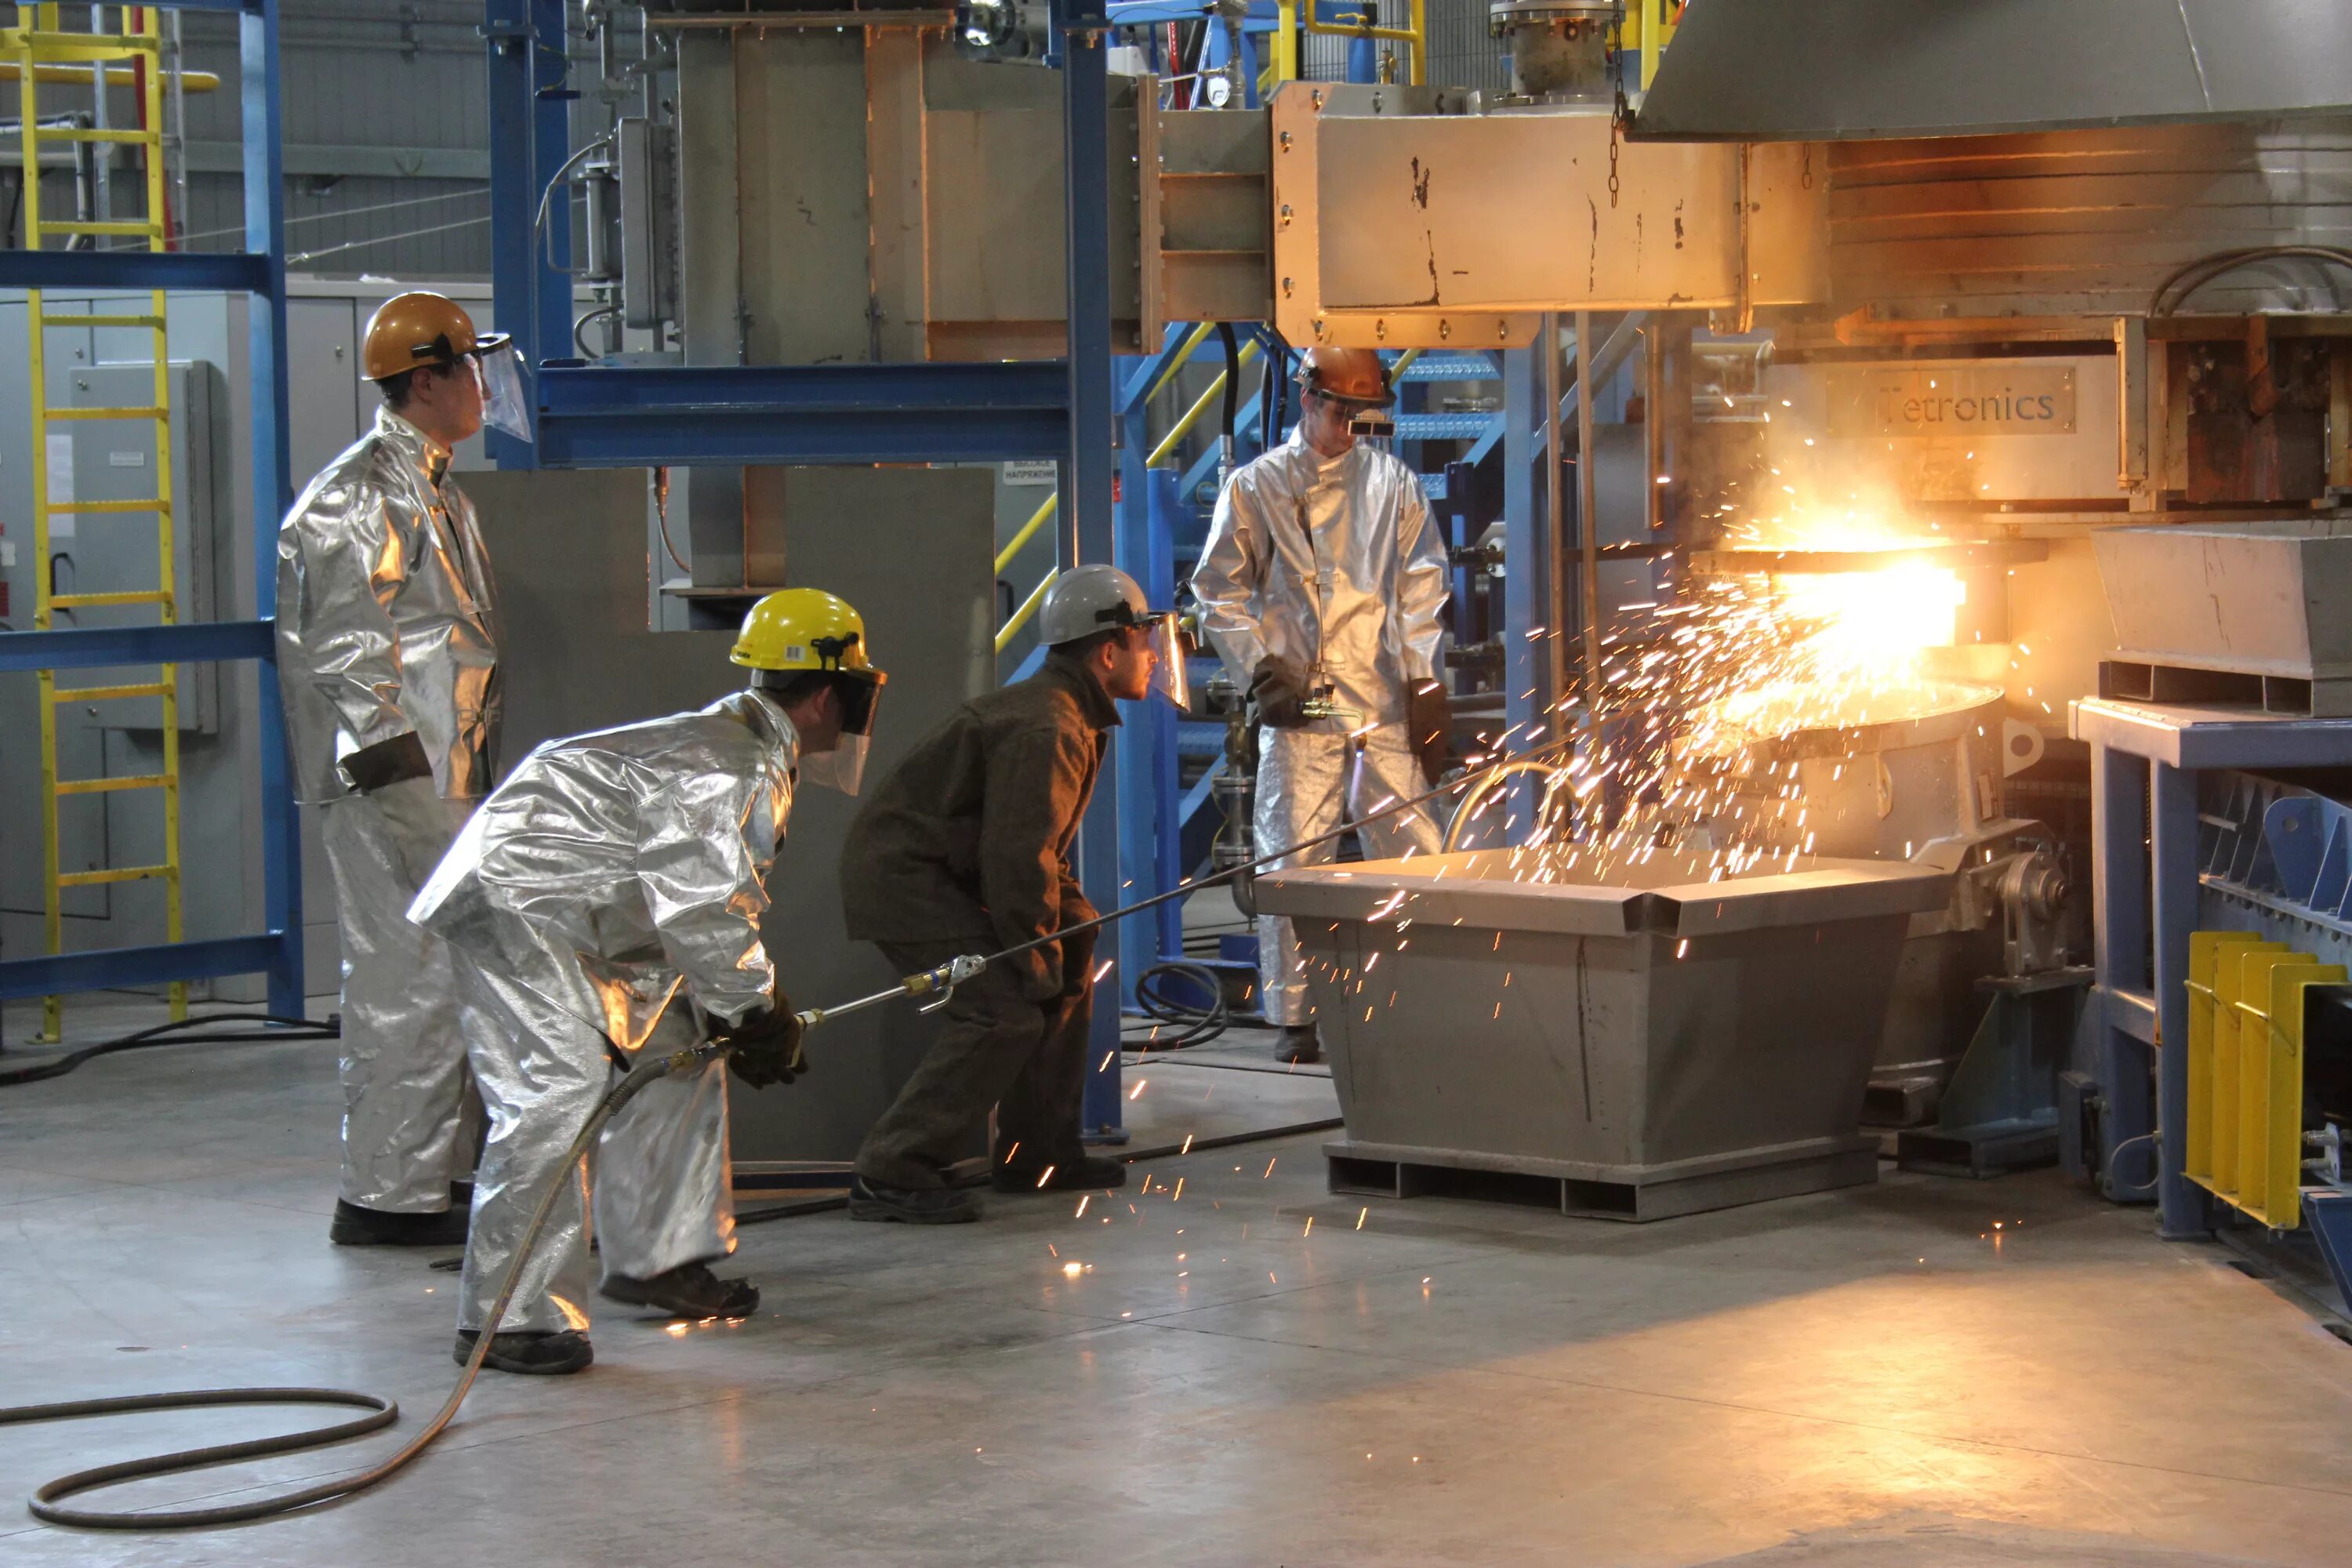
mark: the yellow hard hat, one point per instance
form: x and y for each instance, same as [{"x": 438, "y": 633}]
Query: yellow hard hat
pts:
[
  {"x": 417, "y": 329},
  {"x": 803, "y": 628}
]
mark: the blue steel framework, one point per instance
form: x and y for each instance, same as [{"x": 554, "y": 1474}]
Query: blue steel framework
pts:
[
  {"x": 608, "y": 416},
  {"x": 612, "y": 416},
  {"x": 258, "y": 271},
  {"x": 2146, "y": 761}
]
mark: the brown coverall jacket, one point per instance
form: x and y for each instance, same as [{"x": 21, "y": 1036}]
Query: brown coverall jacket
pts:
[{"x": 969, "y": 837}]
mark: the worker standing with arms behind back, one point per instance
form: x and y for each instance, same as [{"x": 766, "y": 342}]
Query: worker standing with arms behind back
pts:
[
  {"x": 1321, "y": 587},
  {"x": 388, "y": 663}
]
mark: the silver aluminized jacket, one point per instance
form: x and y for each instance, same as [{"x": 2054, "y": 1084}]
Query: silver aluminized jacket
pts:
[
  {"x": 385, "y": 620},
  {"x": 1331, "y": 563},
  {"x": 609, "y": 873},
  {"x": 385, "y": 629}
]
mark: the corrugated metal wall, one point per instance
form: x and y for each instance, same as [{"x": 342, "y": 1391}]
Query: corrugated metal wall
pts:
[
  {"x": 404, "y": 80},
  {"x": 407, "y": 75},
  {"x": 385, "y": 124}
]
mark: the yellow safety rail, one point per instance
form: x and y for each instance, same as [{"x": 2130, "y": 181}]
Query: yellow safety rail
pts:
[
  {"x": 2247, "y": 1000},
  {"x": 43, "y": 52},
  {"x": 1285, "y": 37},
  {"x": 1648, "y": 19}
]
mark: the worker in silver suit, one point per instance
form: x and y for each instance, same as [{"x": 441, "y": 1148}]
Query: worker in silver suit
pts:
[
  {"x": 1321, "y": 588},
  {"x": 604, "y": 902},
  {"x": 388, "y": 665}
]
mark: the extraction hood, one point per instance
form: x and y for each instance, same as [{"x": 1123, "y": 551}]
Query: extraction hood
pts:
[{"x": 1819, "y": 70}]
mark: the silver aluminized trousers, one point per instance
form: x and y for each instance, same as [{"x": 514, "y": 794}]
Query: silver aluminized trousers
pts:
[
  {"x": 404, "y": 1048},
  {"x": 660, "y": 1174},
  {"x": 1308, "y": 781}
]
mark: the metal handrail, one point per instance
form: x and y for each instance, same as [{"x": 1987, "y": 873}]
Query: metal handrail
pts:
[
  {"x": 1288, "y": 22},
  {"x": 1012, "y": 628},
  {"x": 1028, "y": 531}
]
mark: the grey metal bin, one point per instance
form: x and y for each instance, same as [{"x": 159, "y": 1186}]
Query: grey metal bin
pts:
[{"x": 1655, "y": 1042}]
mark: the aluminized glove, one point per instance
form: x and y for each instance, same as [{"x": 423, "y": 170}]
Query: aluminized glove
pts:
[
  {"x": 1278, "y": 690},
  {"x": 765, "y": 1047}
]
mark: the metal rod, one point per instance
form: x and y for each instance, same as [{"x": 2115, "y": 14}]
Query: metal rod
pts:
[
  {"x": 805, "y": 19},
  {"x": 1555, "y": 529},
  {"x": 1588, "y": 525}
]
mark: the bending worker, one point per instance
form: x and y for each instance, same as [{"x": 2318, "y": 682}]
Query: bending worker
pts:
[
  {"x": 388, "y": 663},
  {"x": 604, "y": 902},
  {"x": 1321, "y": 586},
  {"x": 965, "y": 847}
]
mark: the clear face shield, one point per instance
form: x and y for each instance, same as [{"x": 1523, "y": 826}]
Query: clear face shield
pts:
[
  {"x": 497, "y": 370},
  {"x": 1170, "y": 674},
  {"x": 843, "y": 768}
]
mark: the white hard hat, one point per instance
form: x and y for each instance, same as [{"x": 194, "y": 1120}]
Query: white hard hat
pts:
[{"x": 1089, "y": 599}]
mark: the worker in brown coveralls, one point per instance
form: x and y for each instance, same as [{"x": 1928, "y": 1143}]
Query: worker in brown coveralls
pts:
[{"x": 965, "y": 848}]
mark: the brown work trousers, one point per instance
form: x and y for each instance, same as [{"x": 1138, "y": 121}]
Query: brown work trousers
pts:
[{"x": 1028, "y": 1059}]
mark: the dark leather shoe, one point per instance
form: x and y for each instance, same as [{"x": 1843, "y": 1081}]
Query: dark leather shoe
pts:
[
  {"x": 356, "y": 1227},
  {"x": 1084, "y": 1174},
  {"x": 689, "y": 1290},
  {"x": 1299, "y": 1045},
  {"x": 539, "y": 1355},
  {"x": 912, "y": 1205}
]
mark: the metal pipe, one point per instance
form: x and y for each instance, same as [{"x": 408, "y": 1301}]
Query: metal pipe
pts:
[
  {"x": 1588, "y": 526},
  {"x": 805, "y": 19},
  {"x": 175, "y": 106},
  {"x": 1200, "y": 408},
  {"x": 1555, "y": 528},
  {"x": 1182, "y": 357},
  {"x": 102, "y": 157}
]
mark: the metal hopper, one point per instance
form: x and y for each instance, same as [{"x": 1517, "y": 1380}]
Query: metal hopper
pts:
[{"x": 1647, "y": 1041}]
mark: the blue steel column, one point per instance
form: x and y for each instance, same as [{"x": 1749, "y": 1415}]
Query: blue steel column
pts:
[
  {"x": 2119, "y": 897},
  {"x": 1141, "y": 738},
  {"x": 1086, "y": 529},
  {"x": 529, "y": 139},
  {"x": 2182, "y": 1214},
  {"x": 1525, "y": 557},
  {"x": 273, "y": 491}
]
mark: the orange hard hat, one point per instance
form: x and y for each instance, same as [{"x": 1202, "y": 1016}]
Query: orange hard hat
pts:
[
  {"x": 1349, "y": 376},
  {"x": 419, "y": 329}
]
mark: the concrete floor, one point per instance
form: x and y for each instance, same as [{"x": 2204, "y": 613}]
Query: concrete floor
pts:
[{"x": 1872, "y": 1377}]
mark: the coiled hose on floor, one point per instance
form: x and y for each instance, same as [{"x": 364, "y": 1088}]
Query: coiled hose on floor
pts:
[
  {"x": 1198, "y": 1025},
  {"x": 47, "y": 1504},
  {"x": 46, "y": 1501}
]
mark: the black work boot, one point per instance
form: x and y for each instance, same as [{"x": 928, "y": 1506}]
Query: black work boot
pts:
[
  {"x": 541, "y": 1354},
  {"x": 1082, "y": 1173},
  {"x": 356, "y": 1227},
  {"x": 689, "y": 1290},
  {"x": 1299, "y": 1045},
  {"x": 912, "y": 1205}
]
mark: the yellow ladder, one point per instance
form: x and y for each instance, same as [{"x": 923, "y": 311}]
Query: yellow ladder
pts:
[{"x": 39, "y": 44}]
